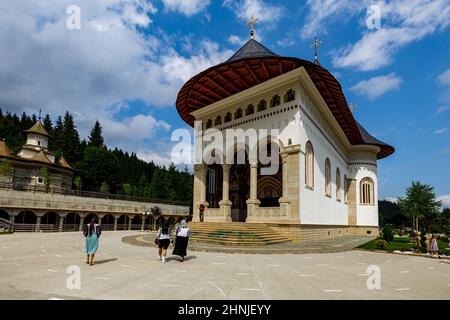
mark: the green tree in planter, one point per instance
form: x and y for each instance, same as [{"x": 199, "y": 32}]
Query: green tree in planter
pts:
[
  {"x": 78, "y": 182},
  {"x": 104, "y": 187},
  {"x": 423, "y": 242},
  {"x": 46, "y": 175},
  {"x": 420, "y": 201},
  {"x": 388, "y": 236},
  {"x": 5, "y": 167},
  {"x": 127, "y": 189}
]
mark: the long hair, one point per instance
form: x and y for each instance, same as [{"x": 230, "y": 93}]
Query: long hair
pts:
[
  {"x": 92, "y": 225},
  {"x": 165, "y": 228}
]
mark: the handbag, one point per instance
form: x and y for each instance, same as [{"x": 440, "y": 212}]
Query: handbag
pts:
[{"x": 156, "y": 241}]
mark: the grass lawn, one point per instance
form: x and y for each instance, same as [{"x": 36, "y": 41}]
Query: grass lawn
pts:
[{"x": 400, "y": 243}]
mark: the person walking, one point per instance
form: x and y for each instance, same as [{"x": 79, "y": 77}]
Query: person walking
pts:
[
  {"x": 92, "y": 232},
  {"x": 181, "y": 241},
  {"x": 163, "y": 237},
  {"x": 433, "y": 245}
]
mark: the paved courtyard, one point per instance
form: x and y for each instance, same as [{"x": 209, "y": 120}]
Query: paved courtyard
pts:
[{"x": 34, "y": 266}]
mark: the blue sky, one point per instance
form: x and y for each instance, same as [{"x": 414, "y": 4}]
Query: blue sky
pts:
[{"x": 130, "y": 57}]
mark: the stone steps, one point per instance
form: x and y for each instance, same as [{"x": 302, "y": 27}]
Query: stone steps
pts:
[{"x": 235, "y": 234}]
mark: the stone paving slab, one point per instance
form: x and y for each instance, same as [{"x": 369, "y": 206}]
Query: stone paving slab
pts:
[
  {"x": 341, "y": 244},
  {"x": 35, "y": 266}
]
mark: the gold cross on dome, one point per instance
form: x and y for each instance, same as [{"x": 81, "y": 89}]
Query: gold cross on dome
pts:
[
  {"x": 251, "y": 23},
  {"x": 352, "y": 106}
]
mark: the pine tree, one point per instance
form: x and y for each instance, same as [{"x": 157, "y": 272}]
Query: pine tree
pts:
[
  {"x": 57, "y": 143},
  {"x": 71, "y": 139},
  {"x": 47, "y": 123},
  {"x": 96, "y": 138}
]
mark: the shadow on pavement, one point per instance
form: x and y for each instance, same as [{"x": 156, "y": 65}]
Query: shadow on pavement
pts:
[{"x": 104, "y": 261}]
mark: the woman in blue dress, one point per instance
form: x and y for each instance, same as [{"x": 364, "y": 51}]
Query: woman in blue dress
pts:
[{"x": 92, "y": 232}]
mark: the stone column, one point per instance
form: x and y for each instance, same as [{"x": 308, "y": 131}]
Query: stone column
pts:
[
  {"x": 129, "y": 223},
  {"x": 253, "y": 202},
  {"x": 143, "y": 223},
  {"x": 38, "y": 222},
  {"x": 199, "y": 190},
  {"x": 115, "y": 222},
  {"x": 61, "y": 222},
  {"x": 351, "y": 202},
  {"x": 225, "y": 203},
  {"x": 81, "y": 223},
  {"x": 284, "y": 200}
]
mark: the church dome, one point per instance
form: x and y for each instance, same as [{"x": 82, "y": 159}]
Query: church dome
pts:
[
  {"x": 254, "y": 64},
  {"x": 38, "y": 128}
]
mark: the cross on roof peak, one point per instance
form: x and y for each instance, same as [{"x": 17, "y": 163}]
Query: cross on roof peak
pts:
[
  {"x": 251, "y": 23},
  {"x": 316, "y": 43}
]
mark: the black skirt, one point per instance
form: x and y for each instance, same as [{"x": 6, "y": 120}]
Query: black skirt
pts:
[{"x": 181, "y": 244}]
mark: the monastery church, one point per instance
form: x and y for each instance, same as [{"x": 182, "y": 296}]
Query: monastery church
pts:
[{"x": 327, "y": 177}]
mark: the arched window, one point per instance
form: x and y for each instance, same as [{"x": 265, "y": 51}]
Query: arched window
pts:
[
  {"x": 366, "y": 192},
  {"x": 228, "y": 117},
  {"x": 275, "y": 101},
  {"x": 262, "y": 105},
  {"x": 338, "y": 184},
  {"x": 309, "y": 165},
  {"x": 289, "y": 96},
  {"x": 328, "y": 177},
  {"x": 209, "y": 124},
  {"x": 346, "y": 186},
  {"x": 238, "y": 114},
  {"x": 250, "y": 110},
  {"x": 218, "y": 121}
]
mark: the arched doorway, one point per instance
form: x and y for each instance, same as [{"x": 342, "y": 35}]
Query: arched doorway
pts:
[
  {"x": 149, "y": 222},
  {"x": 50, "y": 221},
  {"x": 4, "y": 214},
  {"x": 239, "y": 184},
  {"x": 270, "y": 187},
  {"x": 25, "y": 221},
  {"x": 136, "y": 222},
  {"x": 122, "y": 222},
  {"x": 214, "y": 177},
  {"x": 108, "y": 222},
  {"x": 72, "y": 222},
  {"x": 89, "y": 218}
]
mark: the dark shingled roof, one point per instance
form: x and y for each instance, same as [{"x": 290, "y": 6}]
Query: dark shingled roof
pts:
[
  {"x": 254, "y": 64},
  {"x": 252, "y": 49},
  {"x": 371, "y": 140}
]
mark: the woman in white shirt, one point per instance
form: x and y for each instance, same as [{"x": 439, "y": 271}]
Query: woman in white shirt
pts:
[
  {"x": 181, "y": 242},
  {"x": 163, "y": 237}
]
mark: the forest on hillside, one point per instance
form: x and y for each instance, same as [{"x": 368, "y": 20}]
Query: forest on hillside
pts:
[{"x": 99, "y": 168}]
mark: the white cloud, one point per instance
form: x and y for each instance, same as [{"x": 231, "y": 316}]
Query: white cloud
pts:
[
  {"x": 324, "y": 12},
  {"x": 244, "y": 9},
  {"x": 445, "y": 200},
  {"x": 94, "y": 71},
  {"x": 442, "y": 109},
  {"x": 403, "y": 22},
  {"x": 236, "y": 40},
  {"x": 377, "y": 86},
  {"x": 440, "y": 131},
  {"x": 179, "y": 68},
  {"x": 186, "y": 7},
  {"x": 391, "y": 199},
  {"x": 445, "y": 78}
]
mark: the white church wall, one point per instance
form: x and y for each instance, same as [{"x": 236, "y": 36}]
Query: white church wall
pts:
[
  {"x": 315, "y": 206},
  {"x": 37, "y": 140},
  {"x": 366, "y": 214}
]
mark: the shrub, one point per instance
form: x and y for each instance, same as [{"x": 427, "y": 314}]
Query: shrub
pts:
[
  {"x": 423, "y": 242},
  {"x": 381, "y": 244},
  {"x": 388, "y": 236}
]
